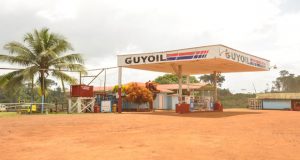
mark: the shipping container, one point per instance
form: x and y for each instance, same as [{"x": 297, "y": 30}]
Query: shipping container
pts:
[{"x": 82, "y": 91}]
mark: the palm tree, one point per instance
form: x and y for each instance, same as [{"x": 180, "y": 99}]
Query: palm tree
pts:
[
  {"x": 42, "y": 54},
  {"x": 209, "y": 78}
]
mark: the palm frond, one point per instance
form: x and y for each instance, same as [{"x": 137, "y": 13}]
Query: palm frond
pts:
[
  {"x": 64, "y": 77},
  {"x": 20, "y": 60},
  {"x": 71, "y": 67},
  {"x": 30, "y": 72},
  {"x": 38, "y": 39},
  {"x": 19, "y": 49},
  {"x": 6, "y": 79},
  {"x": 44, "y": 38},
  {"x": 3, "y": 80},
  {"x": 62, "y": 46},
  {"x": 30, "y": 39},
  {"x": 12, "y": 79},
  {"x": 70, "y": 58},
  {"x": 49, "y": 54}
]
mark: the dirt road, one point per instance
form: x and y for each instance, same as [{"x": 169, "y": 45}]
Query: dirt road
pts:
[{"x": 231, "y": 135}]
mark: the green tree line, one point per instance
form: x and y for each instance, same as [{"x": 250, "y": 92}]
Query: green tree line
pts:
[{"x": 286, "y": 82}]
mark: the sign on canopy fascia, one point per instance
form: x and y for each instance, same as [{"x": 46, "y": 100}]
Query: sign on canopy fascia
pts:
[{"x": 194, "y": 54}]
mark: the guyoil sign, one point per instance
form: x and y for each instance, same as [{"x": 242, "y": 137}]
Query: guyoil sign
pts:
[
  {"x": 243, "y": 58},
  {"x": 144, "y": 59}
]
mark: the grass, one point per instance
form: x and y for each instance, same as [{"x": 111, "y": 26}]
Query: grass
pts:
[
  {"x": 14, "y": 114},
  {"x": 8, "y": 114}
]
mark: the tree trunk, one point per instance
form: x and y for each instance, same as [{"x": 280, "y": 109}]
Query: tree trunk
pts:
[
  {"x": 151, "y": 106},
  {"x": 42, "y": 79},
  {"x": 32, "y": 94},
  {"x": 56, "y": 106},
  {"x": 63, "y": 87}
]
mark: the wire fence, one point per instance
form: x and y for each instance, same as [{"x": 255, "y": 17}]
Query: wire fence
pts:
[
  {"x": 101, "y": 78},
  {"x": 33, "y": 107}
]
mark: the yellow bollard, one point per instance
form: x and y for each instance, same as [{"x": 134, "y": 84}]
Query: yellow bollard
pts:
[{"x": 114, "y": 109}]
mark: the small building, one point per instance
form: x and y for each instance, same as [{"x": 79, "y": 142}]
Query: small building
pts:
[
  {"x": 166, "y": 99},
  {"x": 281, "y": 101},
  {"x": 168, "y": 96}
]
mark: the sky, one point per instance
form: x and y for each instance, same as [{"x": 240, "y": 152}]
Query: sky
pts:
[{"x": 102, "y": 29}]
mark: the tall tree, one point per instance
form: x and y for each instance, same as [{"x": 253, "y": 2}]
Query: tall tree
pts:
[
  {"x": 13, "y": 95},
  {"x": 42, "y": 54},
  {"x": 172, "y": 79},
  {"x": 209, "y": 78},
  {"x": 286, "y": 82}
]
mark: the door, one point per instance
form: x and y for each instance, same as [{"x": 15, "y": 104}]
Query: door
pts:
[
  {"x": 296, "y": 105},
  {"x": 276, "y": 104}
]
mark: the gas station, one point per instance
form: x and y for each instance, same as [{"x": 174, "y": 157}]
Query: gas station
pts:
[{"x": 212, "y": 59}]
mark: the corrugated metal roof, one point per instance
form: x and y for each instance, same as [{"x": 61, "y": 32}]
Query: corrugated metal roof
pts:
[
  {"x": 278, "y": 96},
  {"x": 184, "y": 86}
]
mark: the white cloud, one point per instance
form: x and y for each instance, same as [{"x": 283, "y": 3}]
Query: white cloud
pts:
[
  {"x": 60, "y": 11},
  {"x": 100, "y": 29}
]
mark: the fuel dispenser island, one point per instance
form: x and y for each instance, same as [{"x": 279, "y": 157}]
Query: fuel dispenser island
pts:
[{"x": 186, "y": 106}]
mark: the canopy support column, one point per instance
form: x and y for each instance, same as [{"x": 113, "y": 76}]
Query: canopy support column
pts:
[
  {"x": 188, "y": 82},
  {"x": 180, "y": 83},
  {"x": 120, "y": 90},
  {"x": 215, "y": 87}
]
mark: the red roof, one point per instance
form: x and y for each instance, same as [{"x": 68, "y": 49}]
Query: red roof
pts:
[
  {"x": 166, "y": 88},
  {"x": 107, "y": 88}
]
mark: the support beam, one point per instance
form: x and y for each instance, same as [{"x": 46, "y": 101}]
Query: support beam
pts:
[
  {"x": 96, "y": 76},
  {"x": 78, "y": 105},
  {"x": 79, "y": 78},
  {"x": 70, "y": 105},
  {"x": 81, "y": 104},
  {"x": 180, "y": 83},
  {"x": 120, "y": 90},
  {"x": 174, "y": 67}
]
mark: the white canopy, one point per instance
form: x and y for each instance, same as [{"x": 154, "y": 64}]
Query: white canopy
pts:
[{"x": 198, "y": 60}]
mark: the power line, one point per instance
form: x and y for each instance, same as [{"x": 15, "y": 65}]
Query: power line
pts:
[
  {"x": 58, "y": 69},
  {"x": 101, "y": 69},
  {"x": 38, "y": 69}
]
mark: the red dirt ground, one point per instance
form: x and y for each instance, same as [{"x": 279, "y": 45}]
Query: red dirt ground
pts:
[{"x": 231, "y": 135}]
